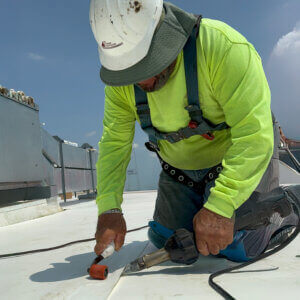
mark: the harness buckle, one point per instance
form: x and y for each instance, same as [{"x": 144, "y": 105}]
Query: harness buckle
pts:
[
  {"x": 152, "y": 147},
  {"x": 174, "y": 137},
  {"x": 208, "y": 136},
  {"x": 193, "y": 125},
  {"x": 192, "y": 108}
]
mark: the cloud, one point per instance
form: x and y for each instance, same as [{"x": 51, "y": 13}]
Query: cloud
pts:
[
  {"x": 283, "y": 70},
  {"x": 151, "y": 154},
  {"x": 135, "y": 146},
  {"x": 289, "y": 43},
  {"x": 89, "y": 134},
  {"x": 35, "y": 56}
]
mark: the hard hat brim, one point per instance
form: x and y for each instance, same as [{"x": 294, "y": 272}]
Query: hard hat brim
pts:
[{"x": 167, "y": 43}]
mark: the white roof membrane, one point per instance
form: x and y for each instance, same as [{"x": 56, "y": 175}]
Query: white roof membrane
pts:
[{"x": 61, "y": 274}]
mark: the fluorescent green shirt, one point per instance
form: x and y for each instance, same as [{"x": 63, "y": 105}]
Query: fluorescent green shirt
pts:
[{"x": 232, "y": 89}]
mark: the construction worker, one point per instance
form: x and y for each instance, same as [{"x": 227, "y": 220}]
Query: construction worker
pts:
[{"x": 198, "y": 89}]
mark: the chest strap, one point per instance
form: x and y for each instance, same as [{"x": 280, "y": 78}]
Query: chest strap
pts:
[{"x": 198, "y": 125}]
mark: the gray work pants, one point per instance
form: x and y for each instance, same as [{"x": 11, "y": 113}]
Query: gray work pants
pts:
[{"x": 177, "y": 204}]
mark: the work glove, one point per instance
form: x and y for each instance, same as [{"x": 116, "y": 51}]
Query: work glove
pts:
[
  {"x": 213, "y": 232},
  {"x": 110, "y": 228}
]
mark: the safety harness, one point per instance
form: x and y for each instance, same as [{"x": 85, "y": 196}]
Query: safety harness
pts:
[{"x": 198, "y": 125}]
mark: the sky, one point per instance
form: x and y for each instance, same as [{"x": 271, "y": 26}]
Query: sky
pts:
[{"x": 47, "y": 50}]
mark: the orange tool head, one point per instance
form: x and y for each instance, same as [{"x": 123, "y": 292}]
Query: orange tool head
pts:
[{"x": 98, "y": 271}]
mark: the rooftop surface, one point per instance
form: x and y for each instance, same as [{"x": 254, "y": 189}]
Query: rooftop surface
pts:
[{"x": 61, "y": 274}]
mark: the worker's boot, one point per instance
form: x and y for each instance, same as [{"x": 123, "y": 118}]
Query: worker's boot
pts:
[
  {"x": 255, "y": 242},
  {"x": 248, "y": 244}
]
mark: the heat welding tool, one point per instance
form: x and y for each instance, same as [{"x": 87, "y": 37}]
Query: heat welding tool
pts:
[{"x": 181, "y": 247}]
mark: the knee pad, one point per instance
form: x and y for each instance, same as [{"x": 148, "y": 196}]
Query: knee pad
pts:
[
  {"x": 236, "y": 250},
  {"x": 158, "y": 234}
]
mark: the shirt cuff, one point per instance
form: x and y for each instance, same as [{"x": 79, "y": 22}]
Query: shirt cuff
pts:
[
  {"x": 220, "y": 207},
  {"x": 107, "y": 202}
]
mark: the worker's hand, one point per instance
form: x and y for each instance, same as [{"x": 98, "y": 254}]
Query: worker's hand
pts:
[
  {"x": 212, "y": 232},
  {"x": 110, "y": 227}
]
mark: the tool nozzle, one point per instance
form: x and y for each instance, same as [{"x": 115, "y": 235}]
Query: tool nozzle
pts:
[
  {"x": 135, "y": 266},
  {"x": 148, "y": 261}
]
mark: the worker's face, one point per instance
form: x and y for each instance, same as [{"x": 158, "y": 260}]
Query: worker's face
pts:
[
  {"x": 147, "y": 84},
  {"x": 155, "y": 83}
]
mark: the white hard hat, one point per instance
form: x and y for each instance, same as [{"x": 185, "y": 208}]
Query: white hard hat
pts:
[{"x": 123, "y": 30}]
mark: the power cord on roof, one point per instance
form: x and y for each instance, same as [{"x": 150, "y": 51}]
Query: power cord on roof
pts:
[
  {"x": 60, "y": 246},
  {"x": 222, "y": 291}
]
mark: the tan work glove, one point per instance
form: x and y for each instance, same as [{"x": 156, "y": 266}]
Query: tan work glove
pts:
[
  {"x": 212, "y": 232},
  {"x": 110, "y": 228}
]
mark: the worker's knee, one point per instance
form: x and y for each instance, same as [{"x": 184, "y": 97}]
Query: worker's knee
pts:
[
  {"x": 236, "y": 251},
  {"x": 158, "y": 234},
  {"x": 156, "y": 239}
]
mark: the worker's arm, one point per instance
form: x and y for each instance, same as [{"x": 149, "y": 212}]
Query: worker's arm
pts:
[
  {"x": 239, "y": 85},
  {"x": 241, "y": 88},
  {"x": 114, "y": 155},
  {"x": 114, "y": 149}
]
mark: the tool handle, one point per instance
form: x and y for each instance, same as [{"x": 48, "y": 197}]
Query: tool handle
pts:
[
  {"x": 110, "y": 249},
  {"x": 181, "y": 247}
]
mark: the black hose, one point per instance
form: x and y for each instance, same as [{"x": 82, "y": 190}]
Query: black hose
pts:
[{"x": 222, "y": 291}]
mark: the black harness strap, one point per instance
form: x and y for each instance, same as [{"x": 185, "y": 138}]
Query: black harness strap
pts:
[
  {"x": 198, "y": 125},
  {"x": 179, "y": 176},
  {"x": 191, "y": 75},
  {"x": 143, "y": 111}
]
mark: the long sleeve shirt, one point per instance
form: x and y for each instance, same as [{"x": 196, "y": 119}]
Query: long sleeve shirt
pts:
[{"x": 232, "y": 89}]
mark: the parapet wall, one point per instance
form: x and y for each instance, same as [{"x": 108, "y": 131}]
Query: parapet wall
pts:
[{"x": 34, "y": 164}]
